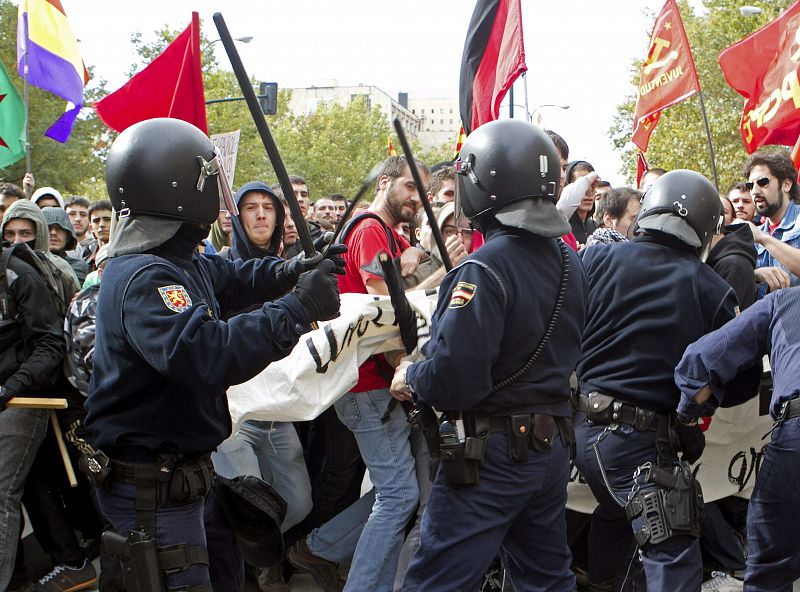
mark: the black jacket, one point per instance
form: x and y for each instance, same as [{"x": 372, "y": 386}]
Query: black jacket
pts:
[
  {"x": 32, "y": 345},
  {"x": 734, "y": 259}
]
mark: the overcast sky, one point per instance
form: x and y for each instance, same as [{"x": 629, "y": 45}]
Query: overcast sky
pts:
[{"x": 578, "y": 52}]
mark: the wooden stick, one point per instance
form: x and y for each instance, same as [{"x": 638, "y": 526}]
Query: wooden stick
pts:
[
  {"x": 37, "y": 403},
  {"x": 62, "y": 447}
]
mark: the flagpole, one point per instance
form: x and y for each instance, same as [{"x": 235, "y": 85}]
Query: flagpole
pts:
[
  {"x": 527, "y": 111},
  {"x": 25, "y": 99},
  {"x": 708, "y": 137},
  {"x": 511, "y": 101}
]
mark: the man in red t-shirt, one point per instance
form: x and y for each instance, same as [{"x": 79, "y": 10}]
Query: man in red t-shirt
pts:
[{"x": 381, "y": 430}]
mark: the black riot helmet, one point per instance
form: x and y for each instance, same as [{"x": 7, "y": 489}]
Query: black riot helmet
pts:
[
  {"x": 683, "y": 204},
  {"x": 511, "y": 169},
  {"x": 255, "y": 512},
  {"x": 167, "y": 168}
]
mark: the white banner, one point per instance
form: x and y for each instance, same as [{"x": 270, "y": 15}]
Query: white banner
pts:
[
  {"x": 324, "y": 366},
  {"x": 228, "y": 145}
]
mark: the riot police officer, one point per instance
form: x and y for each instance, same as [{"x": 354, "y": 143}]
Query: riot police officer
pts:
[
  {"x": 163, "y": 357},
  {"x": 505, "y": 338},
  {"x": 648, "y": 299}
]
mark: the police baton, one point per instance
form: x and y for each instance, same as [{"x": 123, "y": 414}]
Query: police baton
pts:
[
  {"x": 403, "y": 314},
  {"x": 423, "y": 195},
  {"x": 51, "y": 404},
  {"x": 266, "y": 136}
]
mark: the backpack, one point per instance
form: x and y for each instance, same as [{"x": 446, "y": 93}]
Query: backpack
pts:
[
  {"x": 56, "y": 285},
  {"x": 350, "y": 226}
]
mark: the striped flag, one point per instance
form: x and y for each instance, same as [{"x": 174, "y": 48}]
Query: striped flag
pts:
[
  {"x": 460, "y": 141},
  {"x": 48, "y": 51},
  {"x": 390, "y": 146},
  {"x": 494, "y": 57}
]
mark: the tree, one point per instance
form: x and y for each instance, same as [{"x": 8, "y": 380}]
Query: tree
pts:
[
  {"x": 679, "y": 140},
  {"x": 75, "y": 167}
]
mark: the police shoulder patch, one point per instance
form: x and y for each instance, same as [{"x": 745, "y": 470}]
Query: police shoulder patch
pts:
[
  {"x": 462, "y": 294},
  {"x": 175, "y": 297}
]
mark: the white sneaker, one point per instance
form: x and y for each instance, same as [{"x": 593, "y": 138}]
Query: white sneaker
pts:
[{"x": 722, "y": 582}]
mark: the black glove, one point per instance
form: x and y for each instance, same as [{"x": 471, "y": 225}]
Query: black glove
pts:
[
  {"x": 690, "y": 440},
  {"x": 318, "y": 292},
  {"x": 332, "y": 252},
  {"x": 5, "y": 397},
  {"x": 291, "y": 269}
]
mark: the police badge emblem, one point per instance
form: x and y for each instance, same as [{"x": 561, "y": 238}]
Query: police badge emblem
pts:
[
  {"x": 462, "y": 294},
  {"x": 175, "y": 297}
]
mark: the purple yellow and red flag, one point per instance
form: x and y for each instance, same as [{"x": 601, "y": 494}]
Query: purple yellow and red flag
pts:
[
  {"x": 390, "y": 146},
  {"x": 47, "y": 54},
  {"x": 668, "y": 75}
]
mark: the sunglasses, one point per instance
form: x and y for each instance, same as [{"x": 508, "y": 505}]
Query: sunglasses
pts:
[{"x": 762, "y": 182}]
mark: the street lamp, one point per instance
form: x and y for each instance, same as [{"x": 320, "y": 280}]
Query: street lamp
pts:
[
  {"x": 750, "y": 10},
  {"x": 245, "y": 39},
  {"x": 536, "y": 115}
]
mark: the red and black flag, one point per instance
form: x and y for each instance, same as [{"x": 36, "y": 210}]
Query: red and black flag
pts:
[{"x": 494, "y": 57}]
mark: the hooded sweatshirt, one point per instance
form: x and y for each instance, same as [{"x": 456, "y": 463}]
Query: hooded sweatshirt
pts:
[
  {"x": 734, "y": 259},
  {"x": 59, "y": 217},
  {"x": 28, "y": 210},
  {"x": 44, "y": 192},
  {"x": 241, "y": 246}
]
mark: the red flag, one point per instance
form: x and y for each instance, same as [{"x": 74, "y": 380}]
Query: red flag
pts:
[
  {"x": 641, "y": 167},
  {"x": 494, "y": 57},
  {"x": 762, "y": 67},
  {"x": 170, "y": 86},
  {"x": 668, "y": 74}
]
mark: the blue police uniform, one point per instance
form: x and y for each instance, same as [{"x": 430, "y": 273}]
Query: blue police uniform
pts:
[
  {"x": 162, "y": 363},
  {"x": 771, "y": 325},
  {"x": 492, "y": 312},
  {"x": 648, "y": 299}
]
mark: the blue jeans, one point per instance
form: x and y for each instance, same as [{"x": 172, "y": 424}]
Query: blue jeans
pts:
[
  {"x": 516, "y": 508},
  {"x": 385, "y": 448},
  {"x": 773, "y": 519},
  {"x": 272, "y": 451},
  {"x": 673, "y": 565},
  {"x": 175, "y": 524},
  {"x": 21, "y": 433}
]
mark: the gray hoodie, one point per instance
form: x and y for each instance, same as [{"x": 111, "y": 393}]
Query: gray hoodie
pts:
[{"x": 27, "y": 210}]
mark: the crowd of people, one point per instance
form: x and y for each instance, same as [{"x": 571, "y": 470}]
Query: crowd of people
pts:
[{"x": 580, "y": 321}]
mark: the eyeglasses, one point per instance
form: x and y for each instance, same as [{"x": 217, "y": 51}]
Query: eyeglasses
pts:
[
  {"x": 449, "y": 230},
  {"x": 762, "y": 182}
]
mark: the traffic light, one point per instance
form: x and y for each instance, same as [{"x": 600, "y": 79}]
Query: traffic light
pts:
[{"x": 268, "y": 97}]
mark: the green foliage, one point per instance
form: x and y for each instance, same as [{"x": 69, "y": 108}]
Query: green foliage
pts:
[
  {"x": 73, "y": 168},
  {"x": 333, "y": 148},
  {"x": 679, "y": 140}
]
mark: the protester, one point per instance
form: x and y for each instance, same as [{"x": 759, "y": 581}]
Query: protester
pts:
[
  {"x": 743, "y": 205},
  {"x": 581, "y": 221},
  {"x": 63, "y": 240},
  {"x": 380, "y": 427},
  {"x": 31, "y": 356},
  {"x": 649, "y": 177},
  {"x": 269, "y": 450},
  {"x": 77, "y": 209},
  {"x": 9, "y": 193},
  {"x": 340, "y": 201},
  {"x": 772, "y": 181},
  {"x": 45, "y": 197},
  {"x": 616, "y": 214},
  {"x": 220, "y": 236}
]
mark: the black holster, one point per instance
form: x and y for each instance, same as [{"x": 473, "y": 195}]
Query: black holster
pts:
[
  {"x": 674, "y": 507},
  {"x": 139, "y": 558},
  {"x": 461, "y": 460}
]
